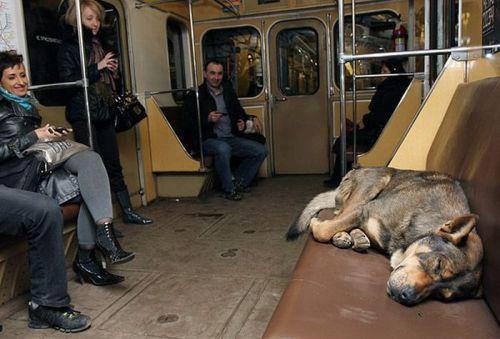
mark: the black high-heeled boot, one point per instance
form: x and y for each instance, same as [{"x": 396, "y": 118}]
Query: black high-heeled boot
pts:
[
  {"x": 129, "y": 215},
  {"x": 88, "y": 269},
  {"x": 110, "y": 247}
]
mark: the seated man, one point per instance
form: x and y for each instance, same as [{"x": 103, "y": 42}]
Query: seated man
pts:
[
  {"x": 222, "y": 124},
  {"x": 385, "y": 100},
  {"x": 40, "y": 218}
]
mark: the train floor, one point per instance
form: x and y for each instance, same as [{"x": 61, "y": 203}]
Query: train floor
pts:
[{"x": 207, "y": 268}]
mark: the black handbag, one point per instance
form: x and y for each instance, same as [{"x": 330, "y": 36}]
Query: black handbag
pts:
[
  {"x": 127, "y": 110},
  {"x": 22, "y": 173}
]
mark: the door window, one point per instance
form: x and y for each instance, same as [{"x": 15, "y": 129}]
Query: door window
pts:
[
  {"x": 176, "y": 33},
  {"x": 239, "y": 51},
  {"x": 298, "y": 69}
]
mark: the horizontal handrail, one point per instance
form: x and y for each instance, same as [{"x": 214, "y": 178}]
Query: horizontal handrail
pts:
[
  {"x": 78, "y": 83},
  {"x": 383, "y": 75},
  {"x": 148, "y": 93},
  {"x": 351, "y": 57}
]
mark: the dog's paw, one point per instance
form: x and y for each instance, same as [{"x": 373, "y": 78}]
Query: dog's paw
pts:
[
  {"x": 342, "y": 240},
  {"x": 360, "y": 241}
]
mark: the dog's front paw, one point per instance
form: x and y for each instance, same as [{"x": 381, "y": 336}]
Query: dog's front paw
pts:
[
  {"x": 342, "y": 240},
  {"x": 360, "y": 241},
  {"x": 319, "y": 231}
]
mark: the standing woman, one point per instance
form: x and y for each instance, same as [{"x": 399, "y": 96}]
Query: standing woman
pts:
[{"x": 101, "y": 69}]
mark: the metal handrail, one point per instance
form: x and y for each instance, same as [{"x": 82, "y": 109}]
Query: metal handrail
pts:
[
  {"x": 149, "y": 93},
  {"x": 388, "y": 75},
  {"x": 424, "y": 52},
  {"x": 343, "y": 58},
  {"x": 57, "y": 85}
]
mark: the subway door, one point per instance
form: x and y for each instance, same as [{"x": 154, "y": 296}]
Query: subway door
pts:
[{"x": 299, "y": 97}]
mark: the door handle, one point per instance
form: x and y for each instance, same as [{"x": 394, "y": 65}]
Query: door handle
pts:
[{"x": 280, "y": 99}]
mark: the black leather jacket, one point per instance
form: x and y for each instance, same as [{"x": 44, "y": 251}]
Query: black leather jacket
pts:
[
  {"x": 68, "y": 63},
  {"x": 17, "y": 133}
]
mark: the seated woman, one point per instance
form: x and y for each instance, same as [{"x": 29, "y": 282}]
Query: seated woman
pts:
[
  {"x": 81, "y": 177},
  {"x": 385, "y": 100}
]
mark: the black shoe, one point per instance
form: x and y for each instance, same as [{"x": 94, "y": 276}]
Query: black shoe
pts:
[
  {"x": 234, "y": 196},
  {"x": 64, "y": 319},
  {"x": 129, "y": 215},
  {"x": 109, "y": 246},
  {"x": 238, "y": 187},
  {"x": 132, "y": 217},
  {"x": 88, "y": 269}
]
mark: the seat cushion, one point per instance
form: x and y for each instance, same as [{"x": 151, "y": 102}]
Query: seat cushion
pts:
[{"x": 338, "y": 293}]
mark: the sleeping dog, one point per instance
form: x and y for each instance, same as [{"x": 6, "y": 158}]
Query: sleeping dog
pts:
[{"x": 420, "y": 219}]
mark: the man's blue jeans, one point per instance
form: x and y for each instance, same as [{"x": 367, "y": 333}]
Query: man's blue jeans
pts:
[
  {"x": 40, "y": 219},
  {"x": 251, "y": 152}
]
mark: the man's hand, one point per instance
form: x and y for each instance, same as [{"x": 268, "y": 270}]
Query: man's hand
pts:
[
  {"x": 214, "y": 116},
  {"x": 257, "y": 125},
  {"x": 241, "y": 125}
]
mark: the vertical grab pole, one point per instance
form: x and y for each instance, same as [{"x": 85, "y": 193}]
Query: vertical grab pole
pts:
[
  {"x": 354, "y": 117},
  {"x": 195, "y": 82},
  {"x": 459, "y": 39},
  {"x": 343, "y": 129},
  {"x": 83, "y": 64},
  {"x": 427, "y": 59}
]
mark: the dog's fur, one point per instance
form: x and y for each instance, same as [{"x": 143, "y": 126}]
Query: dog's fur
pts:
[{"x": 421, "y": 219}]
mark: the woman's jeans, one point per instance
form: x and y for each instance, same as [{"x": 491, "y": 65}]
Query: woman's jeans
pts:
[
  {"x": 93, "y": 181},
  {"x": 251, "y": 152},
  {"x": 39, "y": 217}
]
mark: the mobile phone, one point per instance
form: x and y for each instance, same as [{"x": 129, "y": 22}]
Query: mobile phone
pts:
[{"x": 60, "y": 129}]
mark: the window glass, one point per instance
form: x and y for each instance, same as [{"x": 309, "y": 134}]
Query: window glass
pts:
[
  {"x": 175, "y": 32},
  {"x": 44, "y": 38},
  {"x": 373, "y": 35},
  {"x": 239, "y": 51},
  {"x": 297, "y": 51}
]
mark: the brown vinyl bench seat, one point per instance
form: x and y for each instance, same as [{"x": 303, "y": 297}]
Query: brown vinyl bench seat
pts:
[{"x": 338, "y": 293}]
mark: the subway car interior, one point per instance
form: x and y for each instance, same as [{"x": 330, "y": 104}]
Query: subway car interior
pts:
[{"x": 309, "y": 72}]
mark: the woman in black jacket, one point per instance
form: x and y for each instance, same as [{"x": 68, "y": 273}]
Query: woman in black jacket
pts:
[
  {"x": 101, "y": 70},
  {"x": 80, "y": 178},
  {"x": 385, "y": 100}
]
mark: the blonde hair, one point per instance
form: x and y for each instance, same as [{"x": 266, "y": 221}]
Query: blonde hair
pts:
[{"x": 70, "y": 16}]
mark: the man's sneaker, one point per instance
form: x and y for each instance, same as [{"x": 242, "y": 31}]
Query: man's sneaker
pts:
[
  {"x": 238, "y": 187},
  {"x": 234, "y": 195},
  {"x": 64, "y": 319}
]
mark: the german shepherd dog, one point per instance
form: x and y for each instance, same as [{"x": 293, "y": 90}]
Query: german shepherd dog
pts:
[{"x": 420, "y": 219}]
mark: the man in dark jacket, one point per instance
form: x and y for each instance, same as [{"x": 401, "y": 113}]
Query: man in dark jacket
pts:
[
  {"x": 385, "y": 100},
  {"x": 222, "y": 123}
]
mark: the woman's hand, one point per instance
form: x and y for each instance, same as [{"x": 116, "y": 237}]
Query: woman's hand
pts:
[
  {"x": 108, "y": 62},
  {"x": 47, "y": 133}
]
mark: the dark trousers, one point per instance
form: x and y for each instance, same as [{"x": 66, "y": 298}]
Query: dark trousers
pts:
[
  {"x": 40, "y": 219},
  {"x": 105, "y": 143}
]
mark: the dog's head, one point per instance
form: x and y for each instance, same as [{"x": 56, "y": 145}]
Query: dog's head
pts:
[{"x": 445, "y": 265}]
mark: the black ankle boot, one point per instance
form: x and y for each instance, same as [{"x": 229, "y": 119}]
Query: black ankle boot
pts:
[
  {"x": 109, "y": 246},
  {"x": 88, "y": 269},
  {"x": 129, "y": 215}
]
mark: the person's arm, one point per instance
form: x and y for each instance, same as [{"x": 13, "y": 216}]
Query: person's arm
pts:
[{"x": 68, "y": 64}]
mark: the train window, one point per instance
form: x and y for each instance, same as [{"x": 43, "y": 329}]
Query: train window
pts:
[
  {"x": 239, "y": 50},
  {"x": 298, "y": 71},
  {"x": 176, "y": 33},
  {"x": 43, "y": 34},
  {"x": 373, "y": 35}
]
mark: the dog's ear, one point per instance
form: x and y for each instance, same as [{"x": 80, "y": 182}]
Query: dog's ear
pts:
[{"x": 458, "y": 229}]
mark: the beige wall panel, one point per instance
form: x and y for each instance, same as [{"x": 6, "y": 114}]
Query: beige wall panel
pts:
[
  {"x": 394, "y": 131},
  {"x": 167, "y": 152},
  {"x": 149, "y": 179},
  {"x": 485, "y": 68},
  {"x": 148, "y": 34},
  {"x": 259, "y": 112},
  {"x": 412, "y": 154}
]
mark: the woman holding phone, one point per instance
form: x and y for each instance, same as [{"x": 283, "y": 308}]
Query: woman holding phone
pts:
[{"x": 102, "y": 67}]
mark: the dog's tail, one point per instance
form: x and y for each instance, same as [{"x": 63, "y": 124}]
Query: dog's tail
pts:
[{"x": 319, "y": 202}]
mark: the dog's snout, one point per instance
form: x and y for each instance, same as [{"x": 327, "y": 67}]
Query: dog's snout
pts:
[{"x": 406, "y": 295}]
